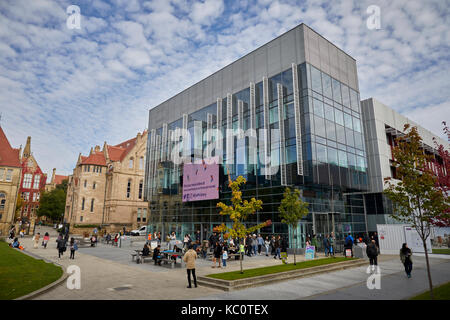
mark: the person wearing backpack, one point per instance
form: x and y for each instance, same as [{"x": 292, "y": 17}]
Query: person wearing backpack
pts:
[
  {"x": 348, "y": 245},
  {"x": 73, "y": 247},
  {"x": 372, "y": 253}
]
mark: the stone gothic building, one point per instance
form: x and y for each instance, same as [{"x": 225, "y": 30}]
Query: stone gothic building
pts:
[
  {"x": 107, "y": 187},
  {"x": 10, "y": 176}
]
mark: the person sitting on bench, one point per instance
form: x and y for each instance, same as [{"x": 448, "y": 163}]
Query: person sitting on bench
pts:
[
  {"x": 175, "y": 250},
  {"x": 145, "y": 251},
  {"x": 157, "y": 255}
]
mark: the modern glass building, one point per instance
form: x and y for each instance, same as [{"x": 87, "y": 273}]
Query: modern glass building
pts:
[{"x": 296, "y": 99}]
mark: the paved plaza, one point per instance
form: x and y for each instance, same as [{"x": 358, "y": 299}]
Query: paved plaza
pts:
[{"x": 108, "y": 273}]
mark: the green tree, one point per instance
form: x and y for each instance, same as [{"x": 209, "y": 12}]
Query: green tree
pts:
[
  {"x": 292, "y": 210},
  {"x": 415, "y": 196},
  {"x": 239, "y": 211},
  {"x": 19, "y": 205},
  {"x": 52, "y": 204},
  {"x": 63, "y": 185}
]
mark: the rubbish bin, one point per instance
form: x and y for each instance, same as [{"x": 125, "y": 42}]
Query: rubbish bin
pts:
[{"x": 359, "y": 252}]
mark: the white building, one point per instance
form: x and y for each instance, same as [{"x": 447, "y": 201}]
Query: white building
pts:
[{"x": 381, "y": 126}]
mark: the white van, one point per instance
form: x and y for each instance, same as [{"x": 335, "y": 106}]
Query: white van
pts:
[{"x": 142, "y": 231}]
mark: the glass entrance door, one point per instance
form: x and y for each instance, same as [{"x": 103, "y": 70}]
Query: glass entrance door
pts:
[{"x": 323, "y": 225}]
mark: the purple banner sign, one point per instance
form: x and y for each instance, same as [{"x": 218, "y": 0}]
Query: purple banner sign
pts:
[{"x": 200, "y": 181}]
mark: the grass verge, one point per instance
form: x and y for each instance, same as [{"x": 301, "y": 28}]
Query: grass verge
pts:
[
  {"x": 249, "y": 273},
  {"x": 441, "y": 251},
  {"x": 440, "y": 293},
  {"x": 21, "y": 274}
]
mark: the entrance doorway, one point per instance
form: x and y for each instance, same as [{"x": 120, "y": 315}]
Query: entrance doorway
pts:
[{"x": 323, "y": 224}]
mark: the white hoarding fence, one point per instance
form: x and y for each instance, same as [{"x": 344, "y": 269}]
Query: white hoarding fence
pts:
[{"x": 392, "y": 236}]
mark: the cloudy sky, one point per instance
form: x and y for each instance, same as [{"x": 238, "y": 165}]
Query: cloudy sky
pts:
[{"x": 71, "y": 89}]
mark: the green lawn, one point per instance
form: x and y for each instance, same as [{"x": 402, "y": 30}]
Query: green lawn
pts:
[
  {"x": 441, "y": 251},
  {"x": 440, "y": 293},
  {"x": 235, "y": 275},
  {"x": 21, "y": 274}
]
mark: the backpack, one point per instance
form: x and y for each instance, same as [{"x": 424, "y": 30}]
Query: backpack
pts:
[{"x": 75, "y": 246}]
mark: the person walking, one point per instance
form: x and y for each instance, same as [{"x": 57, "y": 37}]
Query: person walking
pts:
[
  {"x": 326, "y": 245},
  {"x": 254, "y": 245},
  {"x": 217, "y": 254},
  {"x": 189, "y": 259},
  {"x": 73, "y": 247},
  {"x": 272, "y": 245},
  {"x": 372, "y": 254},
  {"x": 260, "y": 243},
  {"x": 36, "y": 240},
  {"x": 60, "y": 246},
  {"x": 406, "y": 258},
  {"x": 277, "y": 248},
  {"x": 332, "y": 240},
  {"x": 267, "y": 245},
  {"x": 45, "y": 240}
]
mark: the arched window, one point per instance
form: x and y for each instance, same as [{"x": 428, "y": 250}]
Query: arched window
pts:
[
  {"x": 93, "y": 185},
  {"x": 2, "y": 201},
  {"x": 129, "y": 188},
  {"x": 131, "y": 164},
  {"x": 92, "y": 205},
  {"x": 82, "y": 204}
]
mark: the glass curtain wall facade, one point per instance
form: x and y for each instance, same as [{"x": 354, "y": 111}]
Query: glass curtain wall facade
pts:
[{"x": 316, "y": 145}]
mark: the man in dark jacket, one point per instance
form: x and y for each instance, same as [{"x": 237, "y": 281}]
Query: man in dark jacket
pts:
[
  {"x": 348, "y": 244},
  {"x": 326, "y": 245},
  {"x": 372, "y": 253},
  {"x": 212, "y": 240},
  {"x": 157, "y": 255}
]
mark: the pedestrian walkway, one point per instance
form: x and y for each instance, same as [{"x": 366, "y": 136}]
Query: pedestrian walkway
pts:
[
  {"x": 350, "y": 284},
  {"x": 108, "y": 273}
]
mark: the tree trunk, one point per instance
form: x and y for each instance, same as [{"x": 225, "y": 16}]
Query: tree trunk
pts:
[
  {"x": 240, "y": 255},
  {"x": 295, "y": 247},
  {"x": 428, "y": 269}
]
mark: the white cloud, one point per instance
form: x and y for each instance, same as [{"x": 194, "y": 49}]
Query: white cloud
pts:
[
  {"x": 206, "y": 12},
  {"x": 71, "y": 89}
]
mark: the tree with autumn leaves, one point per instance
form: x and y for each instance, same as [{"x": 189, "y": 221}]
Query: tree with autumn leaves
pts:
[
  {"x": 443, "y": 177},
  {"x": 239, "y": 211},
  {"x": 416, "y": 196}
]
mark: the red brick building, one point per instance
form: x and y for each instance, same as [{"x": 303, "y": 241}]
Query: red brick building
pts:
[{"x": 32, "y": 183}]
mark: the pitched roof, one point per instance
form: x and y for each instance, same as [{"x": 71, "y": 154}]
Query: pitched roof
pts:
[
  {"x": 119, "y": 151},
  {"x": 8, "y": 156},
  {"x": 59, "y": 179},
  {"x": 96, "y": 158}
]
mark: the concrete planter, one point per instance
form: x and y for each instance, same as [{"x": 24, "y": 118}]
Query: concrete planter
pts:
[{"x": 231, "y": 285}]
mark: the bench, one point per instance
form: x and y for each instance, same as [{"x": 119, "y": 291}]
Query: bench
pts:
[
  {"x": 143, "y": 259},
  {"x": 169, "y": 261},
  {"x": 235, "y": 255}
]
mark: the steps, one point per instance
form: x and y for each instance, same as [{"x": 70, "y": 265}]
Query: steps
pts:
[{"x": 231, "y": 285}]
